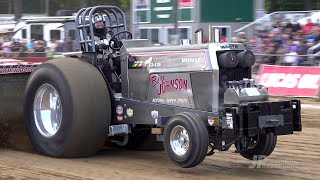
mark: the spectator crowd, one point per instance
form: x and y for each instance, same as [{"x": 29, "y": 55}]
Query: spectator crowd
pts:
[
  {"x": 283, "y": 42},
  {"x": 11, "y": 48}
]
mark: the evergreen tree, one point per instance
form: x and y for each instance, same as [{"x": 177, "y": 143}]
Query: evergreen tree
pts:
[
  {"x": 289, "y": 5},
  {"x": 38, "y": 6},
  {"x": 17, "y": 9}
]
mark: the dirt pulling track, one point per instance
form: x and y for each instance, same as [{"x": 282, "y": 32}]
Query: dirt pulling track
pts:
[{"x": 295, "y": 157}]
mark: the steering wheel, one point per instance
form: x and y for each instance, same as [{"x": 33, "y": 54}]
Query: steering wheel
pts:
[{"x": 116, "y": 34}]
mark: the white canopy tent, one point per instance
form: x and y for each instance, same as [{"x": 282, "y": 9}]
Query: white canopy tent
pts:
[
  {"x": 315, "y": 18},
  {"x": 5, "y": 28}
]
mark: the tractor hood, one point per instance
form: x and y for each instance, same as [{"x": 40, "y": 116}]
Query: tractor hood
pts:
[
  {"x": 191, "y": 76},
  {"x": 200, "y": 57}
]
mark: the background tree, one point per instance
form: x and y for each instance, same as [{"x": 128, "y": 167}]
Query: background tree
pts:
[
  {"x": 125, "y": 5},
  {"x": 17, "y": 9},
  {"x": 308, "y": 4},
  {"x": 38, "y": 6},
  {"x": 290, "y": 5},
  {"x": 84, "y": 3}
]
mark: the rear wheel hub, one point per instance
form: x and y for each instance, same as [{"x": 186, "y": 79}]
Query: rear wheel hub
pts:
[{"x": 47, "y": 110}]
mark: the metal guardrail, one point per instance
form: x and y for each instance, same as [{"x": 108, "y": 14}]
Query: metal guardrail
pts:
[
  {"x": 304, "y": 60},
  {"x": 312, "y": 58},
  {"x": 308, "y": 60},
  {"x": 281, "y": 55},
  {"x": 314, "y": 49},
  {"x": 266, "y": 22}
]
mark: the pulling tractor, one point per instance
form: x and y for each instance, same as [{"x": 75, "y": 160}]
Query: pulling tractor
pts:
[{"x": 190, "y": 100}]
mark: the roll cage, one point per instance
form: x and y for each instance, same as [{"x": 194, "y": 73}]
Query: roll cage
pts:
[{"x": 114, "y": 20}]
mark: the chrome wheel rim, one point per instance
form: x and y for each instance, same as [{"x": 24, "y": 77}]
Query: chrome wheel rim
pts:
[
  {"x": 179, "y": 140},
  {"x": 47, "y": 110}
]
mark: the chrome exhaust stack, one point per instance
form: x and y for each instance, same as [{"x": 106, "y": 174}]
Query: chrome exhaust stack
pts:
[
  {"x": 184, "y": 42},
  {"x": 214, "y": 35},
  {"x": 199, "y": 36}
]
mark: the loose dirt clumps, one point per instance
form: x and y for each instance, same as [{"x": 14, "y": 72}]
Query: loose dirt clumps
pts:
[
  {"x": 296, "y": 156},
  {"x": 6, "y": 130}
]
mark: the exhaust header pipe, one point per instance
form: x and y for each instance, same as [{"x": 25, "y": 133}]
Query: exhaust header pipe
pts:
[
  {"x": 199, "y": 36},
  {"x": 214, "y": 35},
  {"x": 184, "y": 42}
]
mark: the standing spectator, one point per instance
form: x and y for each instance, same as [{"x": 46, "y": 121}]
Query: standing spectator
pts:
[
  {"x": 31, "y": 46},
  {"x": 306, "y": 29},
  {"x": 242, "y": 38},
  {"x": 289, "y": 25},
  {"x": 68, "y": 45},
  {"x": 39, "y": 48},
  {"x": 289, "y": 32},
  {"x": 296, "y": 26},
  {"x": 60, "y": 46},
  {"x": 291, "y": 59},
  {"x": 23, "y": 49},
  {"x": 6, "y": 48},
  {"x": 286, "y": 45},
  {"x": 278, "y": 35},
  {"x": 302, "y": 50},
  {"x": 313, "y": 36},
  {"x": 276, "y": 26},
  {"x": 15, "y": 47},
  {"x": 234, "y": 40},
  {"x": 52, "y": 44}
]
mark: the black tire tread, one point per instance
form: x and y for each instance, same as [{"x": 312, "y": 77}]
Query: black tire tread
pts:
[
  {"x": 84, "y": 134},
  {"x": 265, "y": 146},
  {"x": 204, "y": 140},
  {"x": 201, "y": 139}
]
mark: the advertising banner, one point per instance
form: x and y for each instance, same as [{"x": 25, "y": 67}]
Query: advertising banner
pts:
[
  {"x": 291, "y": 80},
  {"x": 10, "y": 66}
]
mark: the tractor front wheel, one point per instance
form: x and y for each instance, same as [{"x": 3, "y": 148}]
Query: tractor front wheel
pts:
[{"x": 186, "y": 139}]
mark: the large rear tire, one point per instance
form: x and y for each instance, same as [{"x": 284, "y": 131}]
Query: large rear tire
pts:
[
  {"x": 261, "y": 148},
  {"x": 67, "y": 108},
  {"x": 186, "y": 139}
]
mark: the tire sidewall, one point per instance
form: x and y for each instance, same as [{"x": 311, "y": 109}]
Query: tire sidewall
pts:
[
  {"x": 176, "y": 121},
  {"x": 264, "y": 147},
  {"x": 52, "y": 144}
]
